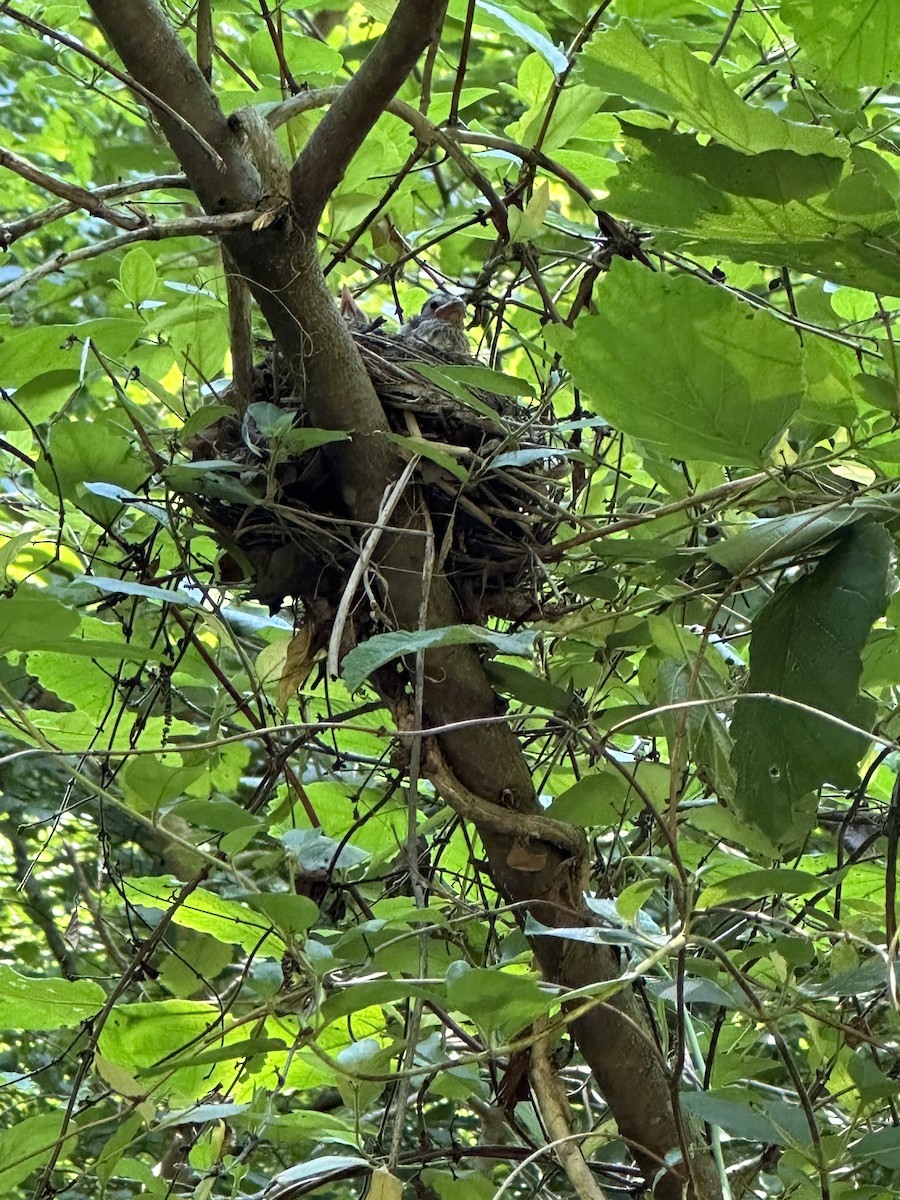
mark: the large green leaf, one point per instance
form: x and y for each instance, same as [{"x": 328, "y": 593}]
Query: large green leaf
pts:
[
  {"x": 684, "y": 368},
  {"x": 752, "y": 1118},
  {"x": 46, "y": 1003},
  {"x": 29, "y": 620},
  {"x": 498, "y": 1001},
  {"x": 28, "y": 353},
  {"x": 26, "y": 1145},
  {"x": 856, "y": 44},
  {"x": 142, "y": 1038},
  {"x": 839, "y": 220},
  {"x": 228, "y": 921},
  {"x": 806, "y": 645},
  {"x": 769, "y": 540},
  {"x": 362, "y": 660},
  {"x": 668, "y": 78}
]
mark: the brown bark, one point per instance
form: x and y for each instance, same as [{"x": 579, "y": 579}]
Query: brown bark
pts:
[{"x": 281, "y": 266}]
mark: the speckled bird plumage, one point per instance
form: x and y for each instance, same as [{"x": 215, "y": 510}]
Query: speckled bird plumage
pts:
[{"x": 441, "y": 325}]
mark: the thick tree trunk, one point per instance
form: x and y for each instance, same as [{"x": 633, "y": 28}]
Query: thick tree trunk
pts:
[{"x": 529, "y": 863}]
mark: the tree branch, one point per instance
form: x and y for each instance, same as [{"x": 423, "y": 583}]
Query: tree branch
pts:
[
  {"x": 344, "y": 128},
  {"x": 79, "y": 196},
  {"x": 164, "y": 74},
  {"x": 153, "y": 232},
  {"x": 38, "y": 220},
  {"x": 427, "y": 134}
]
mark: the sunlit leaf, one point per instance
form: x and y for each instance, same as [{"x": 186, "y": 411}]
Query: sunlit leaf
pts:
[{"x": 806, "y": 646}]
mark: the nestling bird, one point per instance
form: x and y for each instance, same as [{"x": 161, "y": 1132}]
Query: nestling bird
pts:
[{"x": 441, "y": 325}]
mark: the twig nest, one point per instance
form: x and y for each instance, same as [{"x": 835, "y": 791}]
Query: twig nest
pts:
[{"x": 488, "y": 472}]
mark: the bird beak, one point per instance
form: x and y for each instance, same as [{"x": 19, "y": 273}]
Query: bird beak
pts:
[{"x": 454, "y": 310}]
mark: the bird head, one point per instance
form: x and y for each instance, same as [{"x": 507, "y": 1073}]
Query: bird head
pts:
[{"x": 442, "y": 306}]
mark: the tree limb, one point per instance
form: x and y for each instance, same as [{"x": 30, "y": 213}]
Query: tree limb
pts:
[
  {"x": 153, "y": 231},
  {"x": 38, "y": 220},
  {"x": 79, "y": 196},
  {"x": 344, "y": 128}
]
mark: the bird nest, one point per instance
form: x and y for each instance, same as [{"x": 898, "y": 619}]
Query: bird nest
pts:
[{"x": 489, "y": 472}]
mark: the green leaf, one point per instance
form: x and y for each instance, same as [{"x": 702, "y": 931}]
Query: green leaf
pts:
[
  {"x": 736, "y": 1115},
  {"x": 46, "y": 1003},
  {"x": 322, "y": 1167},
  {"x": 753, "y": 885},
  {"x": 699, "y": 376},
  {"x": 683, "y": 671},
  {"x": 150, "y": 783},
  {"x": 457, "y": 1184},
  {"x": 90, "y": 451},
  {"x": 41, "y": 348},
  {"x": 486, "y": 380},
  {"x": 25, "y": 1146},
  {"x": 669, "y": 79},
  {"x": 443, "y": 379},
  {"x": 228, "y": 921},
  {"x": 110, "y": 1155},
  {"x": 199, "y": 1114},
  {"x": 272, "y": 421},
  {"x": 298, "y": 441},
  {"x": 813, "y": 214},
  {"x": 882, "y": 1147},
  {"x": 309, "y": 61},
  {"x": 528, "y": 687},
  {"x": 128, "y": 587},
  {"x": 498, "y": 1001},
  {"x": 245, "y": 1048},
  {"x": 9, "y": 552},
  {"x": 137, "y": 275},
  {"x": 433, "y": 453},
  {"x": 315, "y": 851},
  {"x": 288, "y": 913},
  {"x": 204, "y": 418},
  {"x": 29, "y": 620},
  {"x": 355, "y": 996},
  {"x": 528, "y": 457},
  {"x": 806, "y": 645},
  {"x": 777, "y": 539},
  {"x": 597, "y": 799},
  {"x": 139, "y": 1038},
  {"x": 527, "y": 28},
  {"x": 362, "y": 660},
  {"x": 856, "y": 45},
  {"x": 41, "y": 398},
  {"x": 311, "y": 58},
  {"x": 223, "y": 816}
]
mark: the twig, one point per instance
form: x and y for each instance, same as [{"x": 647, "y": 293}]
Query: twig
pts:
[
  {"x": 370, "y": 542},
  {"x": 38, "y": 220},
  {"x": 78, "y": 196},
  {"x": 155, "y": 231},
  {"x": 123, "y": 77}
]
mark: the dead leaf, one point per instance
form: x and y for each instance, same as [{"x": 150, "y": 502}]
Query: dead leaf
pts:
[
  {"x": 302, "y": 654},
  {"x": 522, "y": 858},
  {"x": 385, "y": 1186}
]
